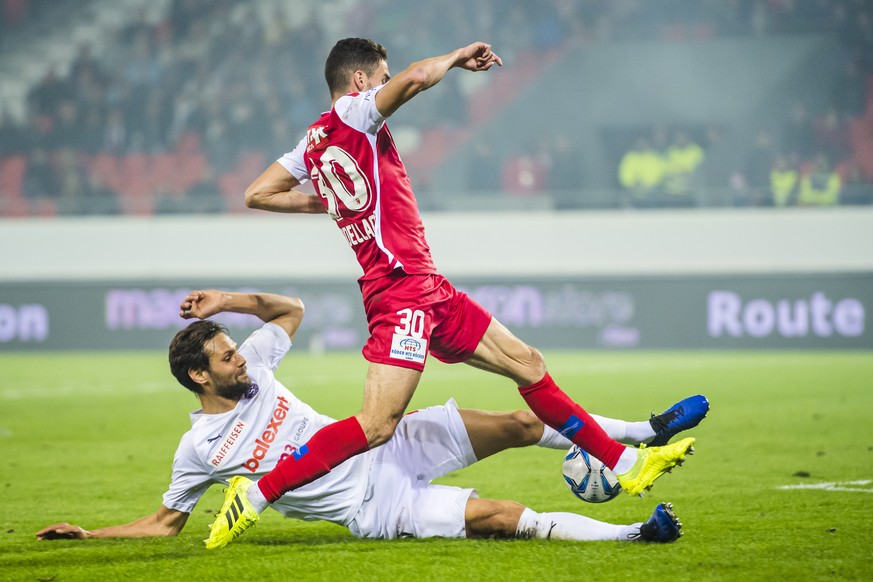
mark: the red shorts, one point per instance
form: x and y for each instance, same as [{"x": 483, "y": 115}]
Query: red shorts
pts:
[{"x": 412, "y": 315}]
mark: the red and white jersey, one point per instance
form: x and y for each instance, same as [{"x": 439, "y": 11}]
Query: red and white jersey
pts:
[
  {"x": 261, "y": 430},
  {"x": 351, "y": 158}
]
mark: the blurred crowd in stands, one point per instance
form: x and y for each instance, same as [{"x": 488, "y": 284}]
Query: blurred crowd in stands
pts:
[
  {"x": 812, "y": 163},
  {"x": 182, "y": 113}
]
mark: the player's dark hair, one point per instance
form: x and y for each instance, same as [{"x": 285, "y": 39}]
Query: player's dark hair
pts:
[
  {"x": 187, "y": 353},
  {"x": 349, "y": 55}
]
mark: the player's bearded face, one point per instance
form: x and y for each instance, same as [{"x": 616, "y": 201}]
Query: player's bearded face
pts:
[
  {"x": 227, "y": 368},
  {"x": 232, "y": 386}
]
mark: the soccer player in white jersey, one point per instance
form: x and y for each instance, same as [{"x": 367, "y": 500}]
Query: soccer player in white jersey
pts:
[
  {"x": 249, "y": 421},
  {"x": 411, "y": 309}
]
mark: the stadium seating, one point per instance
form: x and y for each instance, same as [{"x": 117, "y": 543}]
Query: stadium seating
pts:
[
  {"x": 234, "y": 183},
  {"x": 12, "y": 171},
  {"x": 186, "y": 43}
]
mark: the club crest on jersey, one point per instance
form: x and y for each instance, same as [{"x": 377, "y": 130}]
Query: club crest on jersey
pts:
[
  {"x": 408, "y": 348},
  {"x": 316, "y": 138}
]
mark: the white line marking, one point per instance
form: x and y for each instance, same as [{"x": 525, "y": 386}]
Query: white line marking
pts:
[{"x": 855, "y": 486}]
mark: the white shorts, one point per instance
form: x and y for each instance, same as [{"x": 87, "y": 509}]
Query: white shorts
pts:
[{"x": 400, "y": 501}]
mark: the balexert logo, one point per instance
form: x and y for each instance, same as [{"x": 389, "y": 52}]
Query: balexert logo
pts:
[
  {"x": 262, "y": 445},
  {"x": 817, "y": 316}
]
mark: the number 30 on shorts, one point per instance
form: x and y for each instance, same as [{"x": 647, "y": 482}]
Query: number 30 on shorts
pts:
[{"x": 411, "y": 323}]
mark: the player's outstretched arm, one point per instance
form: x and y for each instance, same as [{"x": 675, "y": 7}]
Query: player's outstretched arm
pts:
[
  {"x": 286, "y": 312},
  {"x": 274, "y": 191},
  {"x": 164, "y": 522},
  {"x": 423, "y": 75}
]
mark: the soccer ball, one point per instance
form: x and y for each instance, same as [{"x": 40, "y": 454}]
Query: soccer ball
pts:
[{"x": 588, "y": 478}]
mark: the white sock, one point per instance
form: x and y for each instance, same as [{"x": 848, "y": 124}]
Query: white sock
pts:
[
  {"x": 638, "y": 432},
  {"x": 630, "y": 533},
  {"x": 256, "y": 498},
  {"x": 614, "y": 428},
  {"x": 570, "y": 526},
  {"x": 552, "y": 439},
  {"x": 629, "y": 433},
  {"x": 632, "y": 433},
  {"x": 626, "y": 460}
]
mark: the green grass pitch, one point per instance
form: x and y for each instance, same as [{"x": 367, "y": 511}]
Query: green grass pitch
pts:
[{"x": 89, "y": 439}]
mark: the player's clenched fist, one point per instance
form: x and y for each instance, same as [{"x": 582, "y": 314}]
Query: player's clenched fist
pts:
[
  {"x": 200, "y": 304},
  {"x": 478, "y": 57}
]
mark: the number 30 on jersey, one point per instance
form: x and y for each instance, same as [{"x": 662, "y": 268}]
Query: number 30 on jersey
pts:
[
  {"x": 411, "y": 323},
  {"x": 408, "y": 343},
  {"x": 341, "y": 182}
]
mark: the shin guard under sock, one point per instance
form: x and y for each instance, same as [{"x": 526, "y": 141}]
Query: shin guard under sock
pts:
[{"x": 557, "y": 410}]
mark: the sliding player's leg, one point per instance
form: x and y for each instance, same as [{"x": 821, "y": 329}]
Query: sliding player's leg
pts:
[
  {"x": 492, "y": 432},
  {"x": 500, "y": 352},
  {"x": 434, "y": 441},
  {"x": 487, "y": 518}
]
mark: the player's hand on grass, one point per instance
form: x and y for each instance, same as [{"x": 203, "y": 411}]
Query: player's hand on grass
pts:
[
  {"x": 478, "y": 57},
  {"x": 200, "y": 304},
  {"x": 62, "y": 531}
]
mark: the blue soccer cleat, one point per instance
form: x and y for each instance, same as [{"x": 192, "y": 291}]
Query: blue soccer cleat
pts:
[
  {"x": 663, "y": 527},
  {"x": 681, "y": 416}
]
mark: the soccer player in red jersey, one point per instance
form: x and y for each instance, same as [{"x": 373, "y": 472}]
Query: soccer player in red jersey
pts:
[{"x": 412, "y": 310}]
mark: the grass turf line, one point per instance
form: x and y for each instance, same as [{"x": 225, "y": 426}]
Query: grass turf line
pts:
[{"x": 89, "y": 439}]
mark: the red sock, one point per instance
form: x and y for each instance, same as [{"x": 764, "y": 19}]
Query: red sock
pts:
[
  {"x": 555, "y": 408},
  {"x": 328, "y": 447}
]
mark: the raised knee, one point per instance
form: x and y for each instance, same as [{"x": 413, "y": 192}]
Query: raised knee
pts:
[{"x": 526, "y": 428}]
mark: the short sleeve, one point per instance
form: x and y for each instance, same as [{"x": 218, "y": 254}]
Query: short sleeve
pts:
[
  {"x": 266, "y": 346},
  {"x": 293, "y": 162},
  {"x": 358, "y": 111},
  {"x": 189, "y": 481}
]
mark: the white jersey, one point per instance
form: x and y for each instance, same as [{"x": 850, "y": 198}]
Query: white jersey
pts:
[{"x": 264, "y": 427}]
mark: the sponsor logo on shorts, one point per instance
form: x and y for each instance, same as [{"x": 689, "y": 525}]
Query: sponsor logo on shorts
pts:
[
  {"x": 228, "y": 444},
  {"x": 404, "y": 347}
]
